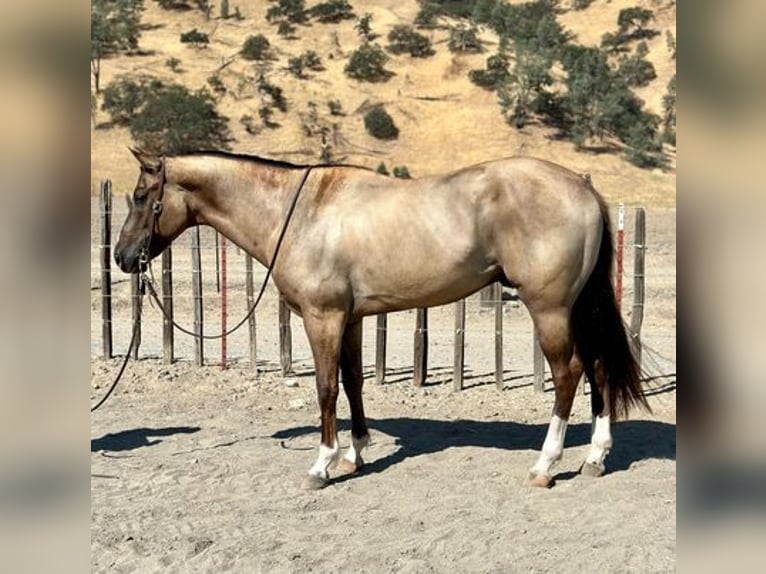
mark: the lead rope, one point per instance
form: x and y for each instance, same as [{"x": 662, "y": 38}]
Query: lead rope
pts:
[{"x": 145, "y": 281}]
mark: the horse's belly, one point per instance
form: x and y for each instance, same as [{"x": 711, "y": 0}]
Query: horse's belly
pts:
[{"x": 423, "y": 286}]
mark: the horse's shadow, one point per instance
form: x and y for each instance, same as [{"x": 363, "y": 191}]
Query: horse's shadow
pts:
[
  {"x": 633, "y": 440},
  {"x": 135, "y": 438}
]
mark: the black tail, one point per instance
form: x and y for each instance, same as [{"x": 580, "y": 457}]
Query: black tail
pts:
[{"x": 600, "y": 335}]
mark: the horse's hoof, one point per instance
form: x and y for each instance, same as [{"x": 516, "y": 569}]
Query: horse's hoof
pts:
[
  {"x": 345, "y": 466},
  {"x": 592, "y": 469},
  {"x": 313, "y": 482},
  {"x": 539, "y": 479}
]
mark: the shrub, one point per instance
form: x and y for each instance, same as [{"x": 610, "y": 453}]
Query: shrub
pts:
[
  {"x": 404, "y": 39},
  {"x": 382, "y": 169},
  {"x": 274, "y": 92},
  {"x": 216, "y": 84},
  {"x": 295, "y": 66},
  {"x": 380, "y": 124},
  {"x": 335, "y": 107},
  {"x": 332, "y": 11},
  {"x": 402, "y": 172},
  {"x": 195, "y": 37},
  {"x": 256, "y": 48},
  {"x": 367, "y": 63},
  {"x": 174, "y": 64}
]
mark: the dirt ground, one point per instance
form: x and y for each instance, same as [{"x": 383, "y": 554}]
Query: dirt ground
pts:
[{"x": 199, "y": 469}]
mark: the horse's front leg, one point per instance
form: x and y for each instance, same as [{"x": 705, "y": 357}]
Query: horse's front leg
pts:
[{"x": 325, "y": 332}]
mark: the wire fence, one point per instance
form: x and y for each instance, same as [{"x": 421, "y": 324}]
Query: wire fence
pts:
[{"x": 495, "y": 341}]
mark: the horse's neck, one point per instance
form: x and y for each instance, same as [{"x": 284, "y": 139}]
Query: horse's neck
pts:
[{"x": 243, "y": 201}]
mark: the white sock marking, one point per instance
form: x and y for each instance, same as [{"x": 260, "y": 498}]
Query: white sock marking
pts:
[
  {"x": 328, "y": 456},
  {"x": 552, "y": 447},
  {"x": 354, "y": 452},
  {"x": 600, "y": 441}
]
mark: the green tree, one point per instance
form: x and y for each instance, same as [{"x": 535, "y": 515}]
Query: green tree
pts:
[
  {"x": 114, "y": 27},
  {"x": 636, "y": 70},
  {"x": 175, "y": 120},
  {"x": 293, "y": 11},
  {"x": 124, "y": 96},
  {"x": 598, "y": 103},
  {"x": 404, "y": 39},
  {"x": 464, "y": 39},
  {"x": 382, "y": 169},
  {"x": 632, "y": 22},
  {"x": 332, "y": 11},
  {"x": 256, "y": 48},
  {"x": 364, "y": 28},
  {"x": 380, "y": 124},
  {"x": 427, "y": 16},
  {"x": 495, "y": 74},
  {"x": 669, "y": 113},
  {"x": 525, "y": 92},
  {"x": 367, "y": 63}
]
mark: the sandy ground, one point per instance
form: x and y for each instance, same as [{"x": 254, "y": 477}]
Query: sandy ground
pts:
[{"x": 198, "y": 469}]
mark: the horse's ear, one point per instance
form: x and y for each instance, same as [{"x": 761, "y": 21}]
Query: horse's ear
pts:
[{"x": 148, "y": 161}]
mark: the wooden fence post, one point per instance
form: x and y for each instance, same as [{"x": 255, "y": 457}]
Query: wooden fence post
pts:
[
  {"x": 420, "y": 369},
  {"x": 498, "y": 296},
  {"x": 223, "y": 302},
  {"x": 167, "y": 302},
  {"x": 106, "y": 268},
  {"x": 637, "y": 315},
  {"x": 620, "y": 249},
  {"x": 217, "y": 265},
  {"x": 136, "y": 305},
  {"x": 380, "y": 348},
  {"x": 199, "y": 343},
  {"x": 459, "y": 364},
  {"x": 285, "y": 338},
  {"x": 249, "y": 295},
  {"x": 538, "y": 378}
]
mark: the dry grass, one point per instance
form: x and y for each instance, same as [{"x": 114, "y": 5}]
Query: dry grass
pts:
[{"x": 445, "y": 121}]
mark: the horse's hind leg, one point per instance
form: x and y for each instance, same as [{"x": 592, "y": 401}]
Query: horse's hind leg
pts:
[
  {"x": 351, "y": 371},
  {"x": 601, "y": 435},
  {"x": 557, "y": 344}
]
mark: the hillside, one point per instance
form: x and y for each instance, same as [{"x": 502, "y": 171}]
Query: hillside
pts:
[{"x": 445, "y": 121}]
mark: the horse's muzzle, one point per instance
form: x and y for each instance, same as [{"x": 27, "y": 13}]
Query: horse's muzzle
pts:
[{"x": 128, "y": 259}]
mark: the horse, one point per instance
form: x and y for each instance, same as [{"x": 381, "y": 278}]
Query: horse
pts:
[{"x": 359, "y": 243}]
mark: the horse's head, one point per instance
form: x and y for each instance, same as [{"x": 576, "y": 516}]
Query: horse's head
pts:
[{"x": 156, "y": 216}]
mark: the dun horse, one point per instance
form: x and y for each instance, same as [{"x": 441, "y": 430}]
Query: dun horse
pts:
[{"x": 359, "y": 243}]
